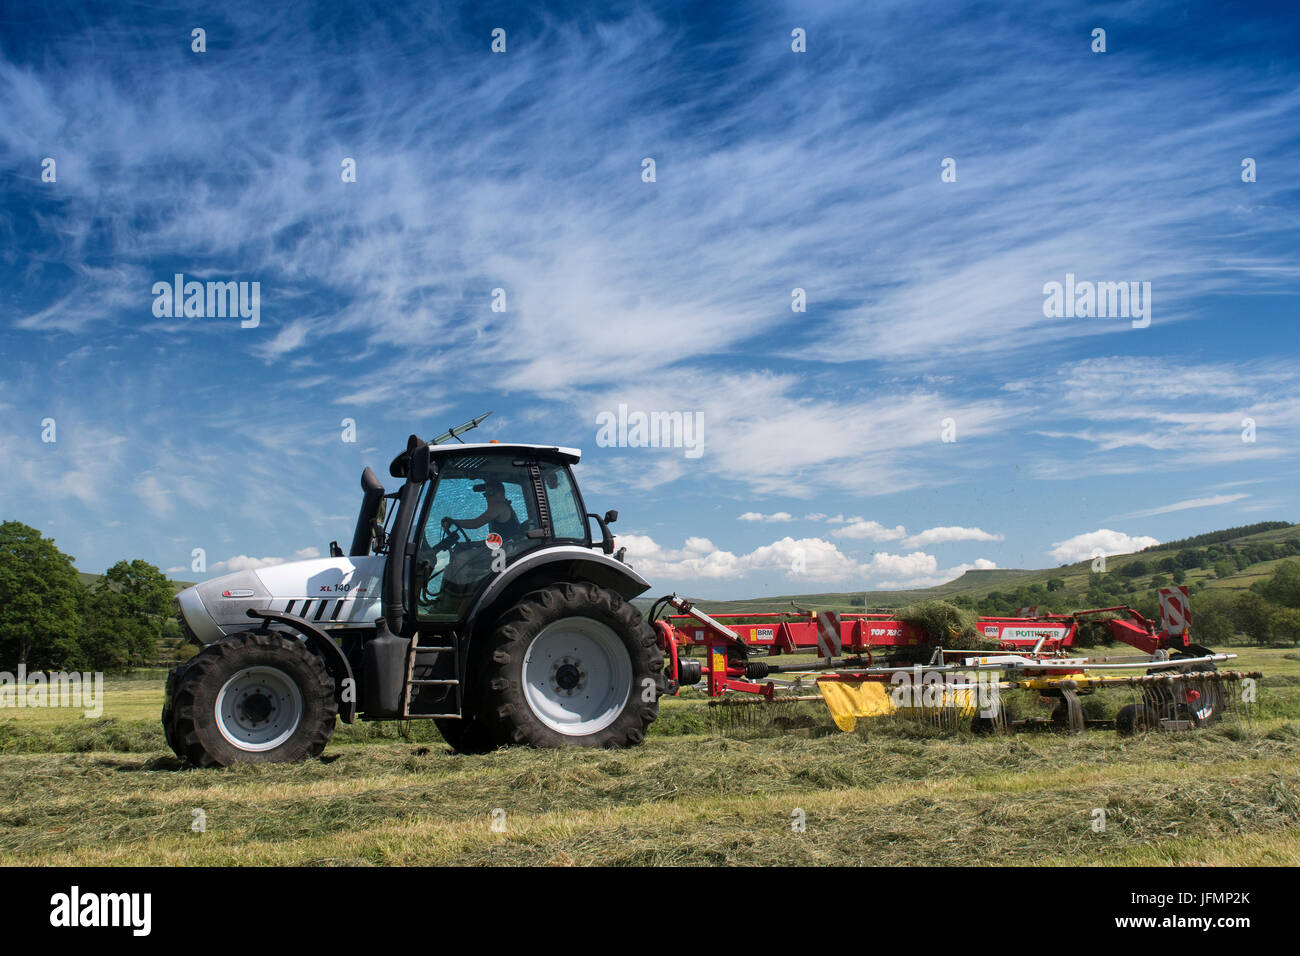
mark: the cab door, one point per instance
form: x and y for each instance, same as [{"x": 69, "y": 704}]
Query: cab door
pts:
[{"x": 478, "y": 515}]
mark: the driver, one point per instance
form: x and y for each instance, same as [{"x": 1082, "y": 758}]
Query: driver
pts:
[{"x": 499, "y": 516}]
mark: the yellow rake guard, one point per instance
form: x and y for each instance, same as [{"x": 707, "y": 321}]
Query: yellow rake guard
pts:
[{"x": 848, "y": 700}]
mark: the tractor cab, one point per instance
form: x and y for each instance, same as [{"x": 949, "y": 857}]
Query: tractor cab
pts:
[
  {"x": 484, "y": 507},
  {"x": 475, "y": 516}
]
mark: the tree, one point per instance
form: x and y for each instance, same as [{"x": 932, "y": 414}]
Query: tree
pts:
[
  {"x": 1224, "y": 569},
  {"x": 39, "y": 593},
  {"x": 1251, "y": 614},
  {"x": 1284, "y": 586},
  {"x": 124, "y": 616},
  {"x": 1180, "y": 576},
  {"x": 1135, "y": 569},
  {"x": 1055, "y": 584},
  {"x": 1284, "y": 625},
  {"x": 1212, "y": 622}
]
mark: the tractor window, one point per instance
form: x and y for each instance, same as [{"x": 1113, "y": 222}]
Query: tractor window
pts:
[
  {"x": 567, "y": 518},
  {"x": 479, "y": 505}
]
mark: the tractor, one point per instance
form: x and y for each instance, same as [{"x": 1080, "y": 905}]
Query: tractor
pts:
[{"x": 474, "y": 596}]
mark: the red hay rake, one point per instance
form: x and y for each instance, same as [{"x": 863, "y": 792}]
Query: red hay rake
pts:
[{"x": 873, "y": 664}]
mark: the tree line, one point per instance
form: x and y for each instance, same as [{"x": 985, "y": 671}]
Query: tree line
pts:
[
  {"x": 49, "y": 620},
  {"x": 1217, "y": 537}
]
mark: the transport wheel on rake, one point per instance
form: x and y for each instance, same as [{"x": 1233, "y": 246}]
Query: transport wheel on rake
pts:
[
  {"x": 572, "y": 665},
  {"x": 1199, "y": 701},
  {"x": 1068, "y": 713},
  {"x": 1136, "y": 718},
  {"x": 1061, "y": 716},
  {"x": 999, "y": 723},
  {"x": 255, "y": 697}
]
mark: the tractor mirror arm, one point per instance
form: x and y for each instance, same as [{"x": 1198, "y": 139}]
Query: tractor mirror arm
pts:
[{"x": 607, "y": 537}]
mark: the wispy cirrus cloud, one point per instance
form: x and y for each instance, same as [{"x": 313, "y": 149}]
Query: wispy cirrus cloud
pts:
[
  {"x": 1209, "y": 501},
  {"x": 522, "y": 172}
]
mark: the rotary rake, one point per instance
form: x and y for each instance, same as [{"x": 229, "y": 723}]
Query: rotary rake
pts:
[{"x": 872, "y": 665}]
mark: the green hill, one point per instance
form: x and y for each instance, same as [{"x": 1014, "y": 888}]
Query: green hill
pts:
[{"x": 1229, "y": 560}]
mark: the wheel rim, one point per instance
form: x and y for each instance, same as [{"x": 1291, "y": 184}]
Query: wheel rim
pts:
[
  {"x": 258, "y": 708},
  {"x": 577, "y": 676}
]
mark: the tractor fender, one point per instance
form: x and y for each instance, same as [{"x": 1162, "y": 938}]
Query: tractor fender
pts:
[
  {"x": 336, "y": 661},
  {"x": 573, "y": 563}
]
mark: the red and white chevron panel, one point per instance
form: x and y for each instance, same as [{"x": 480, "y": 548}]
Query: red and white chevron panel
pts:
[
  {"x": 829, "y": 641},
  {"x": 1175, "y": 610}
]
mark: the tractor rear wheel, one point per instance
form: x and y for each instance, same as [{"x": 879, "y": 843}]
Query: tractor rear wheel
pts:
[
  {"x": 252, "y": 698},
  {"x": 572, "y": 664}
]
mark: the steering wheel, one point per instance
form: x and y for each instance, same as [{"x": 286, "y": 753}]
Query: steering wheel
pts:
[
  {"x": 449, "y": 523},
  {"x": 449, "y": 541}
]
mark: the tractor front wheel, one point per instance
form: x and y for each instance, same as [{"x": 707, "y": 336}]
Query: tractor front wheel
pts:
[
  {"x": 252, "y": 698},
  {"x": 572, "y": 665}
]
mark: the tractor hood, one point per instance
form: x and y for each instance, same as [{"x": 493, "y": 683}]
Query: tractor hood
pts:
[{"x": 330, "y": 592}]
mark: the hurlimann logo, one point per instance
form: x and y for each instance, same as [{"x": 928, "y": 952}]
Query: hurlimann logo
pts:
[
  {"x": 213, "y": 300},
  {"x": 75, "y": 909}
]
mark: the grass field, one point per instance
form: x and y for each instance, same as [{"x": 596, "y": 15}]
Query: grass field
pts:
[{"x": 107, "y": 791}]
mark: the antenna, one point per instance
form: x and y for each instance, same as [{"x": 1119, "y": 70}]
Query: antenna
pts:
[{"x": 456, "y": 432}]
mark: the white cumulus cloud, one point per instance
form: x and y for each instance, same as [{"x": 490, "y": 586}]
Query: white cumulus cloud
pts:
[
  {"x": 1104, "y": 541},
  {"x": 242, "y": 562},
  {"x": 811, "y": 559},
  {"x": 942, "y": 535},
  {"x": 871, "y": 530}
]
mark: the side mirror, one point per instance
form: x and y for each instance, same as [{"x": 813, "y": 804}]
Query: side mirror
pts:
[
  {"x": 611, "y": 516},
  {"x": 607, "y": 539},
  {"x": 421, "y": 465}
]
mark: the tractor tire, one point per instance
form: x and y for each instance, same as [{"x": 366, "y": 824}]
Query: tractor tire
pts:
[
  {"x": 571, "y": 665},
  {"x": 1136, "y": 718},
  {"x": 168, "y": 711},
  {"x": 467, "y": 735},
  {"x": 252, "y": 698}
]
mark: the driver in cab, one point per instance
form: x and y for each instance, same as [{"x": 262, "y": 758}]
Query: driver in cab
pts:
[{"x": 499, "y": 516}]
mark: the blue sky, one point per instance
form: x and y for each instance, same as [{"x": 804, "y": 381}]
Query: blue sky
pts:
[{"x": 822, "y": 464}]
